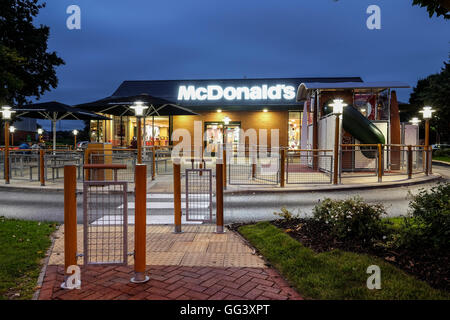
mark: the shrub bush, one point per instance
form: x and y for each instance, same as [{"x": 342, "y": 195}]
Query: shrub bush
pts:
[
  {"x": 352, "y": 219},
  {"x": 428, "y": 221},
  {"x": 441, "y": 153},
  {"x": 285, "y": 214}
]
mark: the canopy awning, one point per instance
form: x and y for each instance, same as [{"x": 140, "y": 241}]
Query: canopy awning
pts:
[
  {"x": 120, "y": 106},
  {"x": 305, "y": 88},
  {"x": 56, "y": 111}
]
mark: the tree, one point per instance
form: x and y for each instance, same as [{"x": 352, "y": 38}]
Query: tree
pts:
[
  {"x": 440, "y": 7},
  {"x": 434, "y": 91},
  {"x": 26, "y": 68}
]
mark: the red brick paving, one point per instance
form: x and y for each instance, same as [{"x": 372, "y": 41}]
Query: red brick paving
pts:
[{"x": 170, "y": 282}]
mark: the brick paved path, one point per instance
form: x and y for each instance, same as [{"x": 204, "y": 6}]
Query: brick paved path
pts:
[
  {"x": 170, "y": 283},
  {"x": 197, "y": 264}
]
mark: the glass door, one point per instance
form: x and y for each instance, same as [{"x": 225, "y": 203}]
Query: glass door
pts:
[
  {"x": 219, "y": 133},
  {"x": 214, "y": 136}
]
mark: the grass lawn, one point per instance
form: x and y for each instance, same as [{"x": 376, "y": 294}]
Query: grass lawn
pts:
[
  {"x": 336, "y": 274},
  {"x": 443, "y": 158},
  {"x": 22, "y": 246}
]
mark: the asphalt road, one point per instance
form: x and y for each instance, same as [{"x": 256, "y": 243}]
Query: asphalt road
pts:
[{"x": 48, "y": 206}]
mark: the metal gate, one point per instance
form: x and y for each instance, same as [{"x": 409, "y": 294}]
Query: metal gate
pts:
[
  {"x": 300, "y": 168},
  {"x": 199, "y": 195},
  {"x": 261, "y": 171},
  {"x": 105, "y": 219}
]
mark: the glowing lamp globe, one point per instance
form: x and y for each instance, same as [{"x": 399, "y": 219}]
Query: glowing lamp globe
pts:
[
  {"x": 7, "y": 112},
  {"x": 338, "y": 106},
  {"x": 427, "y": 112},
  {"x": 139, "y": 108},
  {"x": 415, "y": 121}
]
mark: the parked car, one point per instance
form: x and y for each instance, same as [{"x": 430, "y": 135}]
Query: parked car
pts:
[
  {"x": 440, "y": 146},
  {"x": 82, "y": 145}
]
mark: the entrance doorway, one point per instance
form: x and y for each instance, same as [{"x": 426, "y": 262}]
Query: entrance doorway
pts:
[{"x": 219, "y": 133}]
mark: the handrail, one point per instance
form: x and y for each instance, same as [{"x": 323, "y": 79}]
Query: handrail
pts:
[
  {"x": 359, "y": 145},
  {"x": 115, "y": 166},
  {"x": 309, "y": 150}
]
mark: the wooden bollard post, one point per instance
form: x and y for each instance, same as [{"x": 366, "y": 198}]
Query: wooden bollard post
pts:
[
  {"x": 219, "y": 198},
  {"x": 410, "y": 162},
  {"x": 140, "y": 217},
  {"x": 224, "y": 169},
  {"x": 177, "y": 196},
  {"x": 282, "y": 167},
  {"x": 380, "y": 163},
  {"x": 70, "y": 219},
  {"x": 42, "y": 167}
]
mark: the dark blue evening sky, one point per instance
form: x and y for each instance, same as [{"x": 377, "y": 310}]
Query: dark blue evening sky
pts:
[{"x": 187, "y": 39}]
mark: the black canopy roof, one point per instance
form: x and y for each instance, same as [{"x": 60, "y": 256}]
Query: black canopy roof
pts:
[
  {"x": 120, "y": 106},
  {"x": 56, "y": 111}
]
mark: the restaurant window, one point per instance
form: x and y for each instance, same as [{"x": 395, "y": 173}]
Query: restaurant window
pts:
[
  {"x": 96, "y": 131},
  {"x": 120, "y": 126},
  {"x": 294, "y": 129},
  {"x": 157, "y": 131}
]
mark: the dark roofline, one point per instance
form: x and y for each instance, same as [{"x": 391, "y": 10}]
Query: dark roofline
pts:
[{"x": 237, "y": 79}]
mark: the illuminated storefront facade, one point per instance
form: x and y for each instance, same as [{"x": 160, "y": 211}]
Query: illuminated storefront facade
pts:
[{"x": 224, "y": 107}]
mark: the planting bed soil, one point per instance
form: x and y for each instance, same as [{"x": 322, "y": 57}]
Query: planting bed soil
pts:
[{"x": 427, "y": 265}]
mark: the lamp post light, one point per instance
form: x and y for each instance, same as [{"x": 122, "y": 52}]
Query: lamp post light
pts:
[
  {"x": 414, "y": 121},
  {"x": 12, "y": 129},
  {"x": 75, "y": 133},
  {"x": 338, "y": 108},
  {"x": 7, "y": 115},
  {"x": 40, "y": 131},
  {"x": 139, "y": 109},
  {"x": 427, "y": 113}
]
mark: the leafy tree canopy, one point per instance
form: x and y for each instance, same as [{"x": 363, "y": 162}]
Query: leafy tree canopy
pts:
[
  {"x": 438, "y": 7},
  {"x": 434, "y": 91},
  {"x": 26, "y": 68}
]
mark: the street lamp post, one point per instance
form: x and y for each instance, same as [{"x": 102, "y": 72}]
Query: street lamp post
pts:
[
  {"x": 12, "y": 129},
  {"x": 6, "y": 115},
  {"x": 427, "y": 113},
  {"x": 40, "y": 131},
  {"x": 338, "y": 107},
  {"x": 139, "y": 109},
  {"x": 75, "y": 133}
]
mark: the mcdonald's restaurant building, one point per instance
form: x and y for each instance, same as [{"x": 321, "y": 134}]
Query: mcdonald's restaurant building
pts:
[{"x": 223, "y": 107}]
